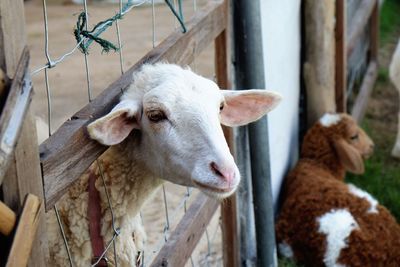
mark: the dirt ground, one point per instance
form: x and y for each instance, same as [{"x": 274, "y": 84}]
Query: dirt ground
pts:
[{"x": 69, "y": 93}]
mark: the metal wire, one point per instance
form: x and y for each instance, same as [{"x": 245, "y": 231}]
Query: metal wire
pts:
[
  {"x": 116, "y": 230},
  {"x": 167, "y": 225},
  {"x": 86, "y": 56},
  {"x": 63, "y": 236},
  {"x": 153, "y": 23},
  {"x": 52, "y": 63},
  {"x": 121, "y": 57}
]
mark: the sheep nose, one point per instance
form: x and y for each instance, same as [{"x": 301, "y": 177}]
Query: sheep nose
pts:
[{"x": 227, "y": 174}]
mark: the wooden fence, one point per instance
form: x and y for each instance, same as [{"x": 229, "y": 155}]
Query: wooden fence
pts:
[
  {"x": 347, "y": 36},
  {"x": 69, "y": 151}
]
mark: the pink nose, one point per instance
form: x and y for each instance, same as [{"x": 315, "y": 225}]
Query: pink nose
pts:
[{"x": 227, "y": 174}]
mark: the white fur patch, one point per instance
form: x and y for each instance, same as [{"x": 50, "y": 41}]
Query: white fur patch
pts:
[
  {"x": 362, "y": 194},
  {"x": 285, "y": 250},
  {"x": 337, "y": 225},
  {"x": 329, "y": 119}
]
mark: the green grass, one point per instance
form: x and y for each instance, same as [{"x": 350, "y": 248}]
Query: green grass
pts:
[
  {"x": 389, "y": 19},
  {"x": 287, "y": 263}
]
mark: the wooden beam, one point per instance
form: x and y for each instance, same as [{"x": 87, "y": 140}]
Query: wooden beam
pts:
[
  {"x": 368, "y": 82},
  {"x": 181, "y": 243},
  {"x": 359, "y": 23},
  {"x": 69, "y": 151},
  {"x": 7, "y": 219},
  {"x": 23, "y": 175},
  {"x": 229, "y": 214},
  {"x": 25, "y": 234},
  {"x": 14, "y": 111},
  {"x": 340, "y": 57}
]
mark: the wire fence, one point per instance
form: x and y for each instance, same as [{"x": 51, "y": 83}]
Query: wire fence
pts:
[{"x": 173, "y": 207}]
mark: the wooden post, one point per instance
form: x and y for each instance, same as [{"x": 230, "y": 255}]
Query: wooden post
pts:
[
  {"x": 229, "y": 214},
  {"x": 374, "y": 33},
  {"x": 341, "y": 57},
  {"x": 23, "y": 175},
  {"x": 319, "y": 66}
]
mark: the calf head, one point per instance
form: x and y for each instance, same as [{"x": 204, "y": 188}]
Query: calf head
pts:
[{"x": 179, "y": 115}]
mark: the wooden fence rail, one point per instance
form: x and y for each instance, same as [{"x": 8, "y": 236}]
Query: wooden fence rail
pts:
[{"x": 69, "y": 151}]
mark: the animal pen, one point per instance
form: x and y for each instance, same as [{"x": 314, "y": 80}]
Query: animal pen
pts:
[
  {"x": 68, "y": 151},
  {"x": 29, "y": 172}
]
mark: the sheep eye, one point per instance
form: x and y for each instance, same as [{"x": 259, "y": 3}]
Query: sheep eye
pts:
[
  {"x": 156, "y": 116},
  {"x": 221, "y": 106},
  {"x": 354, "y": 137}
]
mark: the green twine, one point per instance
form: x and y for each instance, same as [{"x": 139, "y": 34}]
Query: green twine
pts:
[{"x": 93, "y": 35}]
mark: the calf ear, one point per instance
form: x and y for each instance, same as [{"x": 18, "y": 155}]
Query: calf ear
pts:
[
  {"x": 114, "y": 127},
  {"x": 349, "y": 157},
  {"x": 243, "y": 107}
]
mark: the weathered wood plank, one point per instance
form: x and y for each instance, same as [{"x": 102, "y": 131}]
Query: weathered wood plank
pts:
[
  {"x": 23, "y": 175},
  {"x": 359, "y": 23},
  {"x": 14, "y": 111},
  {"x": 7, "y": 219},
  {"x": 26, "y": 231},
  {"x": 228, "y": 208},
  {"x": 69, "y": 151},
  {"x": 368, "y": 82},
  {"x": 340, "y": 57},
  {"x": 183, "y": 240}
]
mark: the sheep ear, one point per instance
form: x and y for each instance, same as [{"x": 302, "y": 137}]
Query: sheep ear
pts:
[
  {"x": 114, "y": 127},
  {"x": 243, "y": 107},
  {"x": 349, "y": 157}
]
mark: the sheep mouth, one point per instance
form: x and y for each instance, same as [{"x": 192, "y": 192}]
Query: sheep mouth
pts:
[{"x": 213, "y": 189}]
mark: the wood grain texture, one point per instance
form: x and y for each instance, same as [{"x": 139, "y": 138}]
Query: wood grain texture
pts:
[
  {"x": 12, "y": 34},
  {"x": 229, "y": 213},
  {"x": 359, "y": 23},
  {"x": 368, "y": 82},
  {"x": 183, "y": 240},
  {"x": 23, "y": 176},
  {"x": 26, "y": 231},
  {"x": 69, "y": 151},
  {"x": 340, "y": 57},
  {"x": 13, "y": 114},
  {"x": 7, "y": 219}
]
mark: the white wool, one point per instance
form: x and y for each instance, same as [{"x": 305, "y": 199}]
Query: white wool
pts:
[
  {"x": 285, "y": 250},
  {"x": 362, "y": 194},
  {"x": 329, "y": 119},
  {"x": 337, "y": 225}
]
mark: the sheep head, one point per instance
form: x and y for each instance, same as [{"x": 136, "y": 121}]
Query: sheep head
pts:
[
  {"x": 179, "y": 115},
  {"x": 345, "y": 141}
]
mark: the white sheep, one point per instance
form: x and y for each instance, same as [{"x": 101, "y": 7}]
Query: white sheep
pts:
[
  {"x": 394, "y": 71},
  {"x": 166, "y": 127}
]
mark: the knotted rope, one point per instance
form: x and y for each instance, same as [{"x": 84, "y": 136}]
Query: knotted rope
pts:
[{"x": 86, "y": 37}]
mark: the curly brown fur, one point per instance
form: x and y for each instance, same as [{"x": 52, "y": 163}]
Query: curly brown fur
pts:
[{"x": 315, "y": 187}]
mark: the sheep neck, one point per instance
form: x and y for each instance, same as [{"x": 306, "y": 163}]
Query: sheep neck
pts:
[{"x": 128, "y": 180}]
